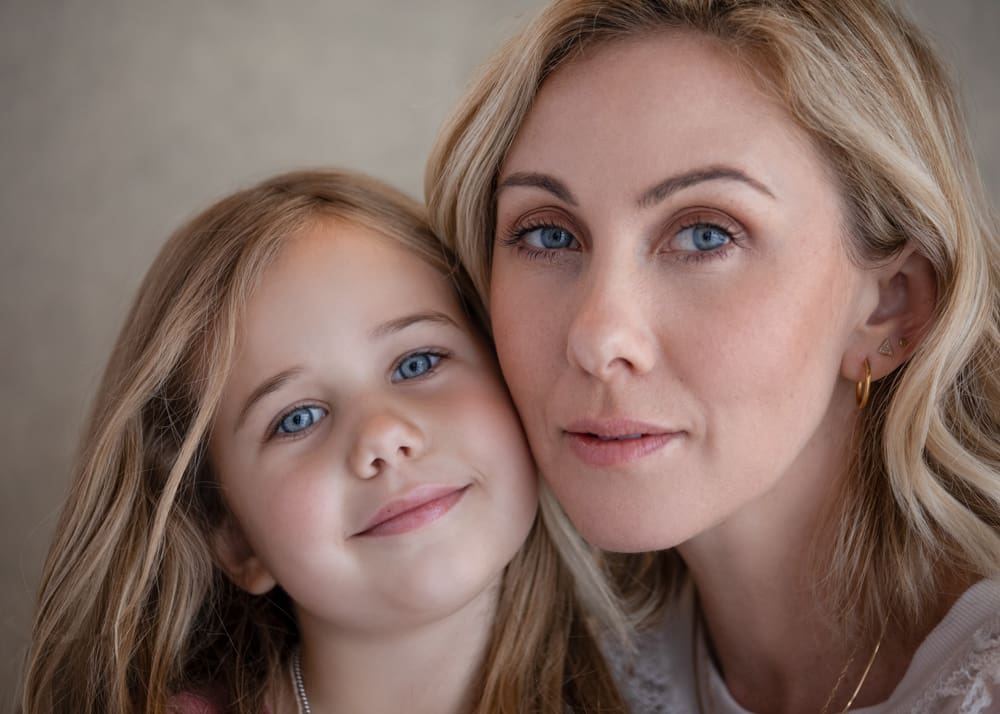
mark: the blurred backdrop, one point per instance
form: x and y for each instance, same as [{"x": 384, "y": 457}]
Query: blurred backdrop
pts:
[{"x": 121, "y": 118}]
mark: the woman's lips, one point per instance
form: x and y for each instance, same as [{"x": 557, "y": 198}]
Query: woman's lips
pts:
[
  {"x": 418, "y": 508},
  {"x": 616, "y": 441}
]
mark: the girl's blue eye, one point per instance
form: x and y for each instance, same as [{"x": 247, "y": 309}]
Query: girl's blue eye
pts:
[
  {"x": 415, "y": 365},
  {"x": 701, "y": 237},
  {"x": 299, "y": 419},
  {"x": 549, "y": 238}
]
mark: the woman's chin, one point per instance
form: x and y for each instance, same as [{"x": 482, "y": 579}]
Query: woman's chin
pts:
[{"x": 621, "y": 528}]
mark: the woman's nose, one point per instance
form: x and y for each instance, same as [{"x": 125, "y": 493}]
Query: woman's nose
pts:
[
  {"x": 610, "y": 331},
  {"x": 385, "y": 441}
]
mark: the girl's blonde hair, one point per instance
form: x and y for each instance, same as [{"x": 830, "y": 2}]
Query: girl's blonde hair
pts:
[
  {"x": 923, "y": 497},
  {"x": 132, "y": 607}
]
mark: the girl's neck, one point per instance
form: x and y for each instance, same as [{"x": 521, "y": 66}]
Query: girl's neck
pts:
[
  {"x": 775, "y": 642},
  {"x": 431, "y": 667}
]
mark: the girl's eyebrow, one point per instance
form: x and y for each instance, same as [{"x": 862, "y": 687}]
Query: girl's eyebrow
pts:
[
  {"x": 401, "y": 323},
  {"x": 381, "y": 330},
  {"x": 270, "y": 385}
]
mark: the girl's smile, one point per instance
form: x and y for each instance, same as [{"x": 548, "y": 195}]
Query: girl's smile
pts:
[{"x": 421, "y": 506}]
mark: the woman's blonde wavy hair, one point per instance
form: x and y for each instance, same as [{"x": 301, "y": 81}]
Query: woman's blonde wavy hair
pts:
[
  {"x": 923, "y": 497},
  {"x": 133, "y": 608}
]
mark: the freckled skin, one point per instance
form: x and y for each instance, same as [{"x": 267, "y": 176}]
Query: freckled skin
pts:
[{"x": 738, "y": 349}]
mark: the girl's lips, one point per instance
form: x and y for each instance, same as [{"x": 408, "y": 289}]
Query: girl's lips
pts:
[
  {"x": 616, "y": 441},
  {"x": 418, "y": 508}
]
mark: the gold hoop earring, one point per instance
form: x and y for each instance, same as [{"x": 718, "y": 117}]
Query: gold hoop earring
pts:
[{"x": 864, "y": 387}]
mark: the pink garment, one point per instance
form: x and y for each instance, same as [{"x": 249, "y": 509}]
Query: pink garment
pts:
[{"x": 191, "y": 703}]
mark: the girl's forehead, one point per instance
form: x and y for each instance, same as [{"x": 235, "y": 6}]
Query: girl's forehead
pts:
[
  {"x": 351, "y": 251},
  {"x": 340, "y": 273}
]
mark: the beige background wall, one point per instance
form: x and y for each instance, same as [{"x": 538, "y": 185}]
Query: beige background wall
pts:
[{"x": 119, "y": 118}]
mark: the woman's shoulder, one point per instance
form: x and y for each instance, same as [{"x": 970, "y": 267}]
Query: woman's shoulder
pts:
[
  {"x": 655, "y": 675},
  {"x": 957, "y": 668}
]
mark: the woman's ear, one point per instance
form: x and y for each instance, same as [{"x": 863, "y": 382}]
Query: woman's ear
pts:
[
  {"x": 238, "y": 560},
  {"x": 907, "y": 296}
]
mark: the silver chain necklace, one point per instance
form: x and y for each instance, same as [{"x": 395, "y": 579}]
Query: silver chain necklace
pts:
[{"x": 300, "y": 687}]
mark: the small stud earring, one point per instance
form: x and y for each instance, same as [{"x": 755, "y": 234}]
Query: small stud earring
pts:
[
  {"x": 885, "y": 348},
  {"x": 903, "y": 342}
]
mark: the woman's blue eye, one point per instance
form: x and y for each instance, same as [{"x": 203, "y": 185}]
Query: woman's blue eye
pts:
[
  {"x": 549, "y": 238},
  {"x": 701, "y": 237},
  {"x": 300, "y": 419},
  {"x": 415, "y": 365}
]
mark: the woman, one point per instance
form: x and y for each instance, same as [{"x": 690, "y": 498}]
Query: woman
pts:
[{"x": 743, "y": 280}]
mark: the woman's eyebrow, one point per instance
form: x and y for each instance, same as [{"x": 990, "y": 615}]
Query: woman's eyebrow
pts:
[
  {"x": 543, "y": 181},
  {"x": 649, "y": 198},
  {"x": 401, "y": 323},
  {"x": 687, "y": 179}
]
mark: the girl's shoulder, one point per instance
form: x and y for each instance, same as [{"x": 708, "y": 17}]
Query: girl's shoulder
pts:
[
  {"x": 193, "y": 703},
  {"x": 202, "y": 701}
]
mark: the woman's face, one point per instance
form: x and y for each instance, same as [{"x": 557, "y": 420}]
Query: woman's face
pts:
[{"x": 673, "y": 304}]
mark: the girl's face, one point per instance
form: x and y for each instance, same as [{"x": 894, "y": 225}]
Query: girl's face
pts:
[
  {"x": 366, "y": 446},
  {"x": 673, "y": 305}
]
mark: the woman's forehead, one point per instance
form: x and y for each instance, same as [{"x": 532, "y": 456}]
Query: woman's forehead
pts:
[{"x": 634, "y": 114}]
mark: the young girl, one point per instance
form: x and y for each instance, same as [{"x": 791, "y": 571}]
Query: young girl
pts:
[{"x": 304, "y": 488}]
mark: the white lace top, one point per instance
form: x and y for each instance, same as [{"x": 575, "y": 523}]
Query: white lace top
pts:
[{"x": 956, "y": 670}]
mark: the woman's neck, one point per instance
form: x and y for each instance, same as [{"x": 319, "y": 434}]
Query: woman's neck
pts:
[
  {"x": 432, "y": 667},
  {"x": 761, "y": 596}
]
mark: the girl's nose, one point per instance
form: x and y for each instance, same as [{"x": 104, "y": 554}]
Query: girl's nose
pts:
[
  {"x": 385, "y": 441},
  {"x": 610, "y": 331}
]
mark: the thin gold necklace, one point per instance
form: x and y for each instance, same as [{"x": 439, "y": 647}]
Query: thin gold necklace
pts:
[
  {"x": 864, "y": 675},
  {"x": 698, "y": 684}
]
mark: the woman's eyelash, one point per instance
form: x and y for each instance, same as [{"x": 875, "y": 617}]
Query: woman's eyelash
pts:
[
  {"x": 704, "y": 257},
  {"x": 515, "y": 233},
  {"x": 729, "y": 229},
  {"x": 712, "y": 222},
  {"x": 514, "y": 238}
]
